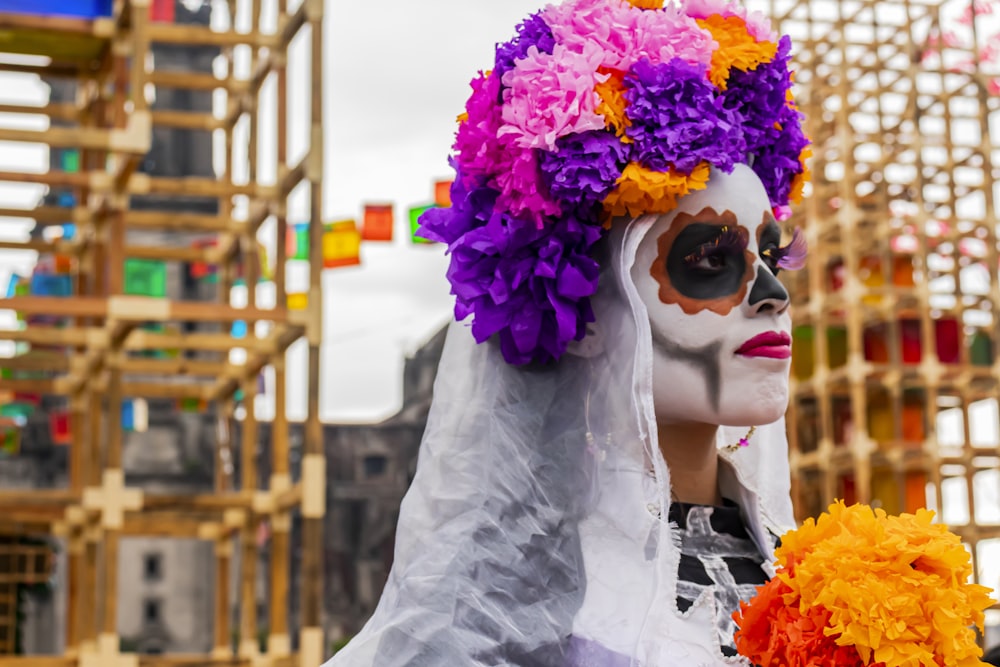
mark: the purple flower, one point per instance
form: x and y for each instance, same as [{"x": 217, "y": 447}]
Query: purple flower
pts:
[
  {"x": 759, "y": 95},
  {"x": 679, "y": 120},
  {"x": 526, "y": 285},
  {"x": 533, "y": 31},
  {"x": 584, "y": 169},
  {"x": 776, "y": 160}
]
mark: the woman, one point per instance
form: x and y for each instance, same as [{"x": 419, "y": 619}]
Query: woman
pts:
[{"x": 602, "y": 476}]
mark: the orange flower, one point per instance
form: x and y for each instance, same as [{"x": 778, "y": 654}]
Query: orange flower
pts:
[
  {"x": 641, "y": 190},
  {"x": 647, "y": 4},
  {"x": 803, "y": 177},
  {"x": 737, "y": 48},
  {"x": 891, "y": 589},
  {"x": 613, "y": 102}
]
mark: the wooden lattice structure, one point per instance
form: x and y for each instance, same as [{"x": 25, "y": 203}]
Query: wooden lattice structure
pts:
[
  {"x": 113, "y": 337},
  {"x": 896, "y": 375}
]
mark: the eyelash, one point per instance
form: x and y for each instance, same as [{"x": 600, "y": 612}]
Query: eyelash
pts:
[
  {"x": 791, "y": 257},
  {"x": 730, "y": 241}
]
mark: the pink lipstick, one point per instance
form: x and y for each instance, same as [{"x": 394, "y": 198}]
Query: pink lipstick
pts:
[{"x": 771, "y": 345}]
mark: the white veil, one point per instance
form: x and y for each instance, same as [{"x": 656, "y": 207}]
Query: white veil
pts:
[{"x": 531, "y": 534}]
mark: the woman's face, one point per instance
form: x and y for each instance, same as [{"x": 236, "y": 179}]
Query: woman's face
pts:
[{"x": 719, "y": 317}]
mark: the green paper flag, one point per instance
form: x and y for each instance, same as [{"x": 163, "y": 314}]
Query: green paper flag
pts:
[
  {"x": 71, "y": 160},
  {"x": 415, "y": 214},
  {"x": 145, "y": 277}
]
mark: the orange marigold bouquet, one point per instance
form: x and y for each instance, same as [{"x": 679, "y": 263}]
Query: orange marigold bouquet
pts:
[{"x": 860, "y": 588}]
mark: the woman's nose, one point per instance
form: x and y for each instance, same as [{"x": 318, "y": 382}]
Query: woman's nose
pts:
[{"x": 768, "y": 295}]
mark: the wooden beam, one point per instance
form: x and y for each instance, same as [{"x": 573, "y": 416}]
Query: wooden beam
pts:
[
  {"x": 64, "y": 112},
  {"x": 38, "y": 661},
  {"x": 207, "y": 342},
  {"x": 189, "y": 661},
  {"x": 193, "y": 81},
  {"x": 78, "y": 137},
  {"x": 142, "y": 184},
  {"x": 217, "y": 503},
  {"x": 177, "y": 221},
  {"x": 172, "y": 367},
  {"x": 36, "y": 361},
  {"x": 139, "y": 309},
  {"x": 63, "y": 179},
  {"x": 187, "y": 120},
  {"x": 53, "y": 214},
  {"x": 192, "y": 35},
  {"x": 165, "y": 524},
  {"x": 51, "y": 336}
]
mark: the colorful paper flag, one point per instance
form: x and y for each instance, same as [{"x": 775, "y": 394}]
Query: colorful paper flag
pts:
[
  {"x": 135, "y": 415},
  {"x": 266, "y": 271},
  {"x": 379, "y": 221},
  {"x": 298, "y": 241},
  {"x": 62, "y": 263},
  {"x": 10, "y": 441},
  {"x": 192, "y": 405},
  {"x": 203, "y": 270},
  {"x": 297, "y": 301},
  {"x": 60, "y": 428},
  {"x": 162, "y": 11},
  {"x": 341, "y": 244},
  {"x": 50, "y": 284},
  {"x": 145, "y": 277},
  {"x": 442, "y": 193},
  {"x": 15, "y": 280},
  {"x": 17, "y": 410},
  {"x": 239, "y": 329},
  {"x": 31, "y": 400},
  {"x": 415, "y": 214},
  {"x": 70, "y": 160}
]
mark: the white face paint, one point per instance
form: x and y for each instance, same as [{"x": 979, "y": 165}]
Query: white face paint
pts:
[{"x": 720, "y": 321}]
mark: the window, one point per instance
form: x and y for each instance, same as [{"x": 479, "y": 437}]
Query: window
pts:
[
  {"x": 152, "y": 610},
  {"x": 375, "y": 466},
  {"x": 152, "y": 567}
]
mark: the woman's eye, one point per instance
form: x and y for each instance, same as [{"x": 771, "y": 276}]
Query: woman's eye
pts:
[{"x": 707, "y": 260}]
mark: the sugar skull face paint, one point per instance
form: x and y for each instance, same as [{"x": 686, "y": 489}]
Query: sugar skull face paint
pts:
[{"x": 719, "y": 317}]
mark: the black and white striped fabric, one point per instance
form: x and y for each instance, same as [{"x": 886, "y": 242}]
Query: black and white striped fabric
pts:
[{"x": 717, "y": 555}]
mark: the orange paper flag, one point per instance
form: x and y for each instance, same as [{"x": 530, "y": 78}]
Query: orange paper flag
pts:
[
  {"x": 379, "y": 221},
  {"x": 442, "y": 193}
]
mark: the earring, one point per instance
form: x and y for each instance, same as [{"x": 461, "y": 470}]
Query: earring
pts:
[{"x": 743, "y": 442}]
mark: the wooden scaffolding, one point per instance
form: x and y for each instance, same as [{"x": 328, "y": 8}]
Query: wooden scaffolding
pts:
[
  {"x": 101, "y": 333},
  {"x": 896, "y": 376}
]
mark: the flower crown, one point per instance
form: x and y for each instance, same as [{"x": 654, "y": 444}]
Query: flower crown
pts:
[{"x": 598, "y": 109}]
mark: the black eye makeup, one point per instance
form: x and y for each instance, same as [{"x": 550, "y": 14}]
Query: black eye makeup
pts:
[
  {"x": 703, "y": 262},
  {"x": 714, "y": 256},
  {"x": 708, "y": 261},
  {"x": 769, "y": 243}
]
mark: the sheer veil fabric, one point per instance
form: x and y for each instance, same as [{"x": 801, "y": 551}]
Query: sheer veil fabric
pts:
[{"x": 532, "y": 533}]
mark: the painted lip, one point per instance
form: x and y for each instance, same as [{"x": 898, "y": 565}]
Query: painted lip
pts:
[{"x": 770, "y": 345}]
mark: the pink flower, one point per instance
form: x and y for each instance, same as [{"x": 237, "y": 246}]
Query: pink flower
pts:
[
  {"x": 476, "y": 147},
  {"x": 521, "y": 190},
  {"x": 551, "y": 96},
  {"x": 626, "y": 33}
]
